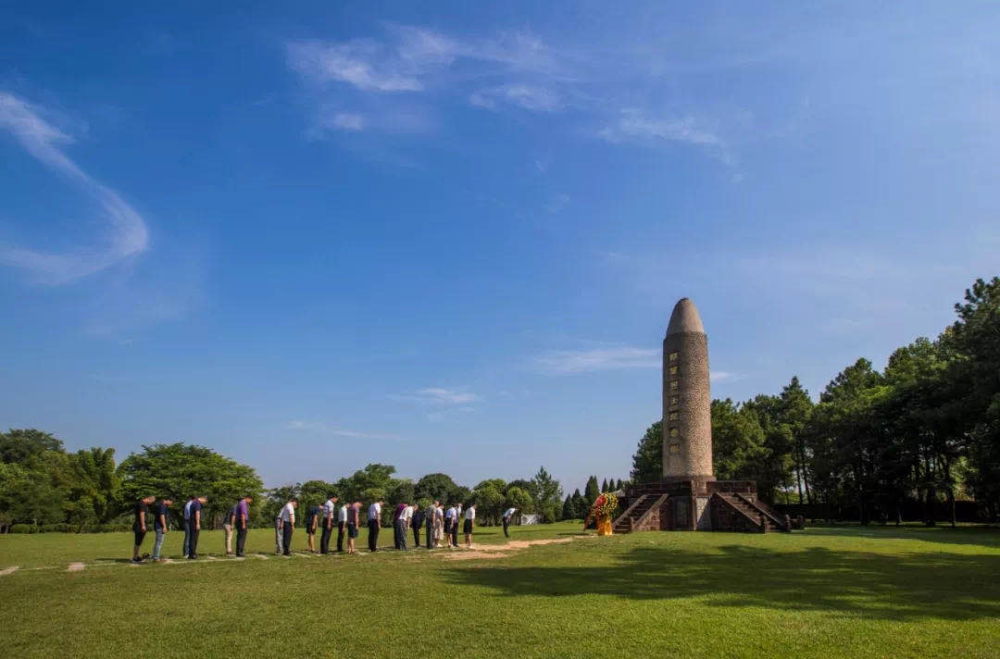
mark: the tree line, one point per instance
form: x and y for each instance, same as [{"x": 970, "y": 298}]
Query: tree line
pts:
[
  {"x": 924, "y": 430},
  {"x": 45, "y": 488}
]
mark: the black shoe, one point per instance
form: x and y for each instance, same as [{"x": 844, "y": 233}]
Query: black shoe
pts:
[{"x": 193, "y": 557}]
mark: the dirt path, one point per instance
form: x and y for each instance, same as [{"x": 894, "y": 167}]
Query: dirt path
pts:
[{"x": 500, "y": 551}]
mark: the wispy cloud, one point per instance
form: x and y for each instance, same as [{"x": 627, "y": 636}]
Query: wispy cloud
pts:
[
  {"x": 129, "y": 235},
  {"x": 569, "y": 362},
  {"x": 557, "y": 203},
  {"x": 413, "y": 60},
  {"x": 324, "y": 428},
  {"x": 528, "y": 97},
  {"x": 344, "y": 121},
  {"x": 634, "y": 125},
  {"x": 564, "y": 362},
  {"x": 365, "y": 64},
  {"x": 440, "y": 396}
]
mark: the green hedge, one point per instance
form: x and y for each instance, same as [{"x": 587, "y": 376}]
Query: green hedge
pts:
[{"x": 24, "y": 528}]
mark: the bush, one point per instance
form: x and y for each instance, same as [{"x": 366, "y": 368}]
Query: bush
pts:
[
  {"x": 55, "y": 528},
  {"x": 23, "y": 528}
]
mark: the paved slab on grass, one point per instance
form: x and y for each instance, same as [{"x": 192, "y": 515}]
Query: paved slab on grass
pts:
[
  {"x": 8, "y": 570},
  {"x": 76, "y": 567}
]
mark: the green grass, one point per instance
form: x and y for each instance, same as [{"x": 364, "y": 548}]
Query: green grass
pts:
[{"x": 826, "y": 592}]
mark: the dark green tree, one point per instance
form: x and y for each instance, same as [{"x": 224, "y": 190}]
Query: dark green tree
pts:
[
  {"x": 547, "y": 494},
  {"x": 436, "y": 487},
  {"x": 183, "y": 470},
  {"x": 647, "y": 463},
  {"x": 569, "y": 509}
]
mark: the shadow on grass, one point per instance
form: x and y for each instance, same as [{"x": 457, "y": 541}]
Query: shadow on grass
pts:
[
  {"x": 985, "y": 536},
  {"x": 893, "y": 587}
]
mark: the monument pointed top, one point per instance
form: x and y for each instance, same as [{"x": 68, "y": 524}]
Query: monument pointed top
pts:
[{"x": 685, "y": 319}]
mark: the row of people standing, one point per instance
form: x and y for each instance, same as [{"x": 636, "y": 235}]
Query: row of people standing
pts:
[
  {"x": 438, "y": 522},
  {"x": 236, "y": 520}
]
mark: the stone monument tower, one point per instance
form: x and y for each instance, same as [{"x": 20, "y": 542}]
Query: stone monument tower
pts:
[
  {"x": 687, "y": 497},
  {"x": 687, "y": 417}
]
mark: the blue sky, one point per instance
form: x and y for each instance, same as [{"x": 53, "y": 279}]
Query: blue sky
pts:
[{"x": 449, "y": 236}]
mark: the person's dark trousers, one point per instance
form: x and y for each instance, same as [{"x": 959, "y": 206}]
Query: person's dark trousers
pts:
[
  {"x": 401, "y": 531},
  {"x": 373, "y": 535},
  {"x": 395, "y": 534},
  {"x": 430, "y": 532},
  {"x": 193, "y": 542},
  {"x": 416, "y": 536},
  {"x": 506, "y": 523},
  {"x": 324, "y": 541},
  {"x": 454, "y": 534},
  {"x": 187, "y": 537},
  {"x": 286, "y": 538},
  {"x": 241, "y": 540},
  {"x": 340, "y": 536}
]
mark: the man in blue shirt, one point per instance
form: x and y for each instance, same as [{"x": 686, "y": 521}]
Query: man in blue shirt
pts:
[
  {"x": 160, "y": 526},
  {"x": 195, "y": 525},
  {"x": 187, "y": 526}
]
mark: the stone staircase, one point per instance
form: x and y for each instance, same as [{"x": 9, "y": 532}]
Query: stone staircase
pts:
[
  {"x": 627, "y": 520},
  {"x": 753, "y": 516}
]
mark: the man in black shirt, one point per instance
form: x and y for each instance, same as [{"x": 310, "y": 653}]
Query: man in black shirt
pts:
[
  {"x": 416, "y": 522},
  {"x": 139, "y": 526},
  {"x": 160, "y": 526}
]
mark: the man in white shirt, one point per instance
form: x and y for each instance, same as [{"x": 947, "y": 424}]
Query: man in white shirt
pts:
[
  {"x": 508, "y": 517},
  {"x": 374, "y": 522},
  {"x": 470, "y": 516},
  {"x": 329, "y": 513},
  {"x": 455, "y": 524},
  {"x": 341, "y": 524},
  {"x": 286, "y": 522},
  {"x": 402, "y": 526}
]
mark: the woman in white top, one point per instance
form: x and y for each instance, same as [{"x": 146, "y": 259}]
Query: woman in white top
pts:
[{"x": 470, "y": 515}]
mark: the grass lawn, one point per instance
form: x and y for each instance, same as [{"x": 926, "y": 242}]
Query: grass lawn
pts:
[{"x": 825, "y": 592}]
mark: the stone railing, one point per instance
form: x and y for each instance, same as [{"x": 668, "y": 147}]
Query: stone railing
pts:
[{"x": 765, "y": 511}]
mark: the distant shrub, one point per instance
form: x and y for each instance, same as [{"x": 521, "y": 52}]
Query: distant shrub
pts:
[
  {"x": 23, "y": 528},
  {"x": 55, "y": 528}
]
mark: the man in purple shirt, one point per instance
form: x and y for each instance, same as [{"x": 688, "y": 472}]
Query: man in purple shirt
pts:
[{"x": 242, "y": 518}]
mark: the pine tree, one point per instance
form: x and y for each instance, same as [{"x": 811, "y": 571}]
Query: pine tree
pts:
[
  {"x": 569, "y": 511},
  {"x": 604, "y": 486},
  {"x": 591, "y": 492},
  {"x": 580, "y": 505}
]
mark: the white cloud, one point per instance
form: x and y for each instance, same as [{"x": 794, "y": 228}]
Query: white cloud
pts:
[
  {"x": 325, "y": 429},
  {"x": 129, "y": 235},
  {"x": 363, "y": 64},
  {"x": 562, "y": 362},
  {"x": 442, "y": 396},
  {"x": 568, "y": 362},
  {"x": 529, "y": 97},
  {"x": 345, "y": 121},
  {"x": 632, "y": 124},
  {"x": 414, "y": 60}
]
